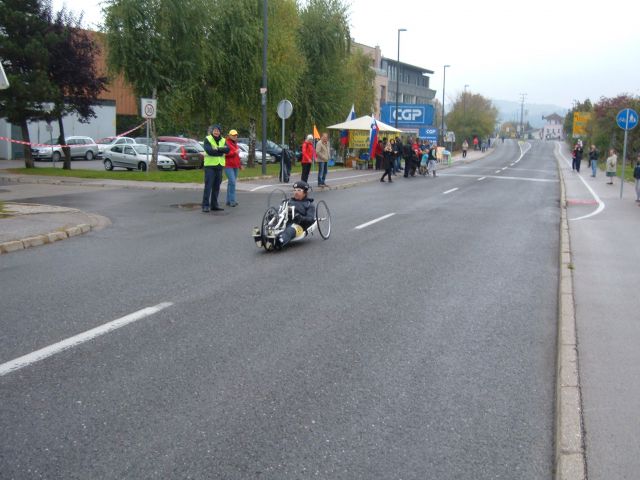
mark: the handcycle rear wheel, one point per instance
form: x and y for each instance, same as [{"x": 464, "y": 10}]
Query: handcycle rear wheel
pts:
[{"x": 323, "y": 219}]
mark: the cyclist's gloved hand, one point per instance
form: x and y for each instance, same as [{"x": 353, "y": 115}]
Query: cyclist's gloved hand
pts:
[{"x": 297, "y": 218}]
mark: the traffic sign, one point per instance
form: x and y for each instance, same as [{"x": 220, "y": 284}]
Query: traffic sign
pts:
[
  {"x": 627, "y": 119},
  {"x": 285, "y": 109},
  {"x": 148, "y": 107}
]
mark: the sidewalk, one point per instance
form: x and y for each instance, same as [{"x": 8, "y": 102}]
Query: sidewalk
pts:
[
  {"x": 30, "y": 225},
  {"x": 604, "y": 233}
]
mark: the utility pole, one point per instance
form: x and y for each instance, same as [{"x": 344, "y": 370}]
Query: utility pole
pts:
[
  {"x": 522, "y": 97},
  {"x": 395, "y": 114}
]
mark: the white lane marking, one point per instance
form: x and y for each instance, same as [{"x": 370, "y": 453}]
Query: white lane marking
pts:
[
  {"x": 501, "y": 177},
  {"x": 356, "y": 176},
  {"x": 522, "y": 152},
  {"x": 83, "y": 337},
  {"x": 498, "y": 171},
  {"x": 504, "y": 168},
  {"x": 481, "y": 178},
  {"x": 601, "y": 204},
  {"x": 364, "y": 225},
  {"x": 512, "y": 164},
  {"x": 260, "y": 187},
  {"x": 449, "y": 191}
]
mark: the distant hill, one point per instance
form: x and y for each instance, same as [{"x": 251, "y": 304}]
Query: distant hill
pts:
[{"x": 509, "y": 111}]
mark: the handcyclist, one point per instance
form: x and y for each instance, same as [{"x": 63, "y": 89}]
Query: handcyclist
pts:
[{"x": 304, "y": 214}]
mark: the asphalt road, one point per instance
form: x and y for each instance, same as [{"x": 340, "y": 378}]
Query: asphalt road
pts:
[{"x": 420, "y": 346}]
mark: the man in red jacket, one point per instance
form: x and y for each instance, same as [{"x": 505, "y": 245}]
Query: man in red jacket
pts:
[{"x": 308, "y": 154}]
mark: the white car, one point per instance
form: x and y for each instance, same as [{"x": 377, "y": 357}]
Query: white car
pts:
[
  {"x": 243, "y": 150},
  {"x": 133, "y": 157},
  {"x": 80, "y": 147},
  {"x": 107, "y": 142}
]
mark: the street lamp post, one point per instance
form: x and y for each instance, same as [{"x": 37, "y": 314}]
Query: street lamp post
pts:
[
  {"x": 444, "y": 82},
  {"x": 464, "y": 101},
  {"x": 395, "y": 113}
]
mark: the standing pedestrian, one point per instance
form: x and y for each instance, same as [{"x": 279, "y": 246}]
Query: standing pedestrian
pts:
[
  {"x": 612, "y": 162},
  {"x": 593, "y": 159},
  {"x": 577, "y": 156},
  {"x": 232, "y": 166},
  {"x": 387, "y": 160},
  {"x": 465, "y": 147},
  {"x": 475, "y": 143},
  {"x": 433, "y": 159},
  {"x": 308, "y": 152},
  {"x": 215, "y": 148},
  {"x": 322, "y": 154},
  {"x": 378, "y": 152},
  {"x": 636, "y": 175},
  {"x": 397, "y": 152}
]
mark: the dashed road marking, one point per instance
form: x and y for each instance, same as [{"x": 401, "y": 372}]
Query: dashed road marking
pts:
[
  {"x": 76, "y": 340},
  {"x": 376, "y": 220},
  {"x": 450, "y": 191}
]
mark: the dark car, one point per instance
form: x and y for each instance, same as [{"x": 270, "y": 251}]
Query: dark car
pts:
[
  {"x": 183, "y": 155},
  {"x": 273, "y": 148}
]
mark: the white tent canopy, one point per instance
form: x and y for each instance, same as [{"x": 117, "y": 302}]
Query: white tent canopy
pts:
[{"x": 364, "y": 123}]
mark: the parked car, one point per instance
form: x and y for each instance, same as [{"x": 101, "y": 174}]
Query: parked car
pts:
[
  {"x": 180, "y": 140},
  {"x": 81, "y": 147},
  {"x": 182, "y": 155},
  {"x": 105, "y": 143},
  {"x": 143, "y": 140},
  {"x": 133, "y": 157},
  {"x": 244, "y": 155}
]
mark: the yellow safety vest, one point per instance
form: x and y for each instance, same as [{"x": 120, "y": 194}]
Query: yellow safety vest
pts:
[{"x": 214, "y": 161}]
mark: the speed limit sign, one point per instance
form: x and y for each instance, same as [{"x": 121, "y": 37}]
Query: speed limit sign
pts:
[{"x": 148, "y": 107}]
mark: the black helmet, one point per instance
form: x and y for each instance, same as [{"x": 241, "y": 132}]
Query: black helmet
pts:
[{"x": 302, "y": 185}]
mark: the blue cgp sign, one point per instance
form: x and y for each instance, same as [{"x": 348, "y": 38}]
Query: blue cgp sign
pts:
[
  {"x": 627, "y": 119},
  {"x": 409, "y": 115}
]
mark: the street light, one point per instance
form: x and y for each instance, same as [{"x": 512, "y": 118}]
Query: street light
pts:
[
  {"x": 444, "y": 82},
  {"x": 464, "y": 101},
  {"x": 395, "y": 114}
]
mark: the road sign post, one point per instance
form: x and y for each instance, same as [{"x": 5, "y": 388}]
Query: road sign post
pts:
[
  {"x": 626, "y": 119},
  {"x": 285, "y": 109},
  {"x": 148, "y": 107}
]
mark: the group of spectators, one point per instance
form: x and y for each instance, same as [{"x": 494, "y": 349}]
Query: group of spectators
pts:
[{"x": 419, "y": 156}]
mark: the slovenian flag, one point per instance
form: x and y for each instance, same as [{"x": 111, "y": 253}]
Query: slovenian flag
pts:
[
  {"x": 344, "y": 134},
  {"x": 373, "y": 137}
]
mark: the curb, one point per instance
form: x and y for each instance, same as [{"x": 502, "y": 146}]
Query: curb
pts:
[
  {"x": 570, "y": 453},
  {"x": 98, "y": 222}
]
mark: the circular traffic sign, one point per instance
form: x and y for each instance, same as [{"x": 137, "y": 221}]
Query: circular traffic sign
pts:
[
  {"x": 627, "y": 119},
  {"x": 285, "y": 109},
  {"x": 149, "y": 110}
]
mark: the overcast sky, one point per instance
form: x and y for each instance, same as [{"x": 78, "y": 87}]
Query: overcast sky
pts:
[{"x": 555, "y": 51}]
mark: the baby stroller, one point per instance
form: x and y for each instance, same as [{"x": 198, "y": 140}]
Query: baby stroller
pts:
[{"x": 423, "y": 169}]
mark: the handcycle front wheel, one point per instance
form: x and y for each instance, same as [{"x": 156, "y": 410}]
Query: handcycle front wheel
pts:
[
  {"x": 323, "y": 219},
  {"x": 267, "y": 222}
]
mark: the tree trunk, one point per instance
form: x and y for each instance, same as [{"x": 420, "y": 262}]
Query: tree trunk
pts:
[
  {"x": 28, "y": 159},
  {"x": 66, "y": 165}
]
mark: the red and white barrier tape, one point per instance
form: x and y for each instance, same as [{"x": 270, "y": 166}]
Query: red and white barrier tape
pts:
[{"x": 21, "y": 142}]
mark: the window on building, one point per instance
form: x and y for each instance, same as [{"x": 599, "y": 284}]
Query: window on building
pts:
[{"x": 383, "y": 94}]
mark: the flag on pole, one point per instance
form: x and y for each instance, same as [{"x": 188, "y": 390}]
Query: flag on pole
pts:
[
  {"x": 373, "y": 137},
  {"x": 316, "y": 135},
  {"x": 344, "y": 134}
]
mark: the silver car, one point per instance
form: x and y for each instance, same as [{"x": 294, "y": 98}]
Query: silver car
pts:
[
  {"x": 133, "y": 157},
  {"x": 243, "y": 150},
  {"x": 105, "y": 143},
  {"x": 80, "y": 147}
]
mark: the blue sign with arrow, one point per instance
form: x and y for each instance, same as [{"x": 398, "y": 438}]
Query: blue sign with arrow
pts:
[{"x": 627, "y": 119}]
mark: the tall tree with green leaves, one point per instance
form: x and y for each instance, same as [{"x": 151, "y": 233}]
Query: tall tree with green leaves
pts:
[
  {"x": 158, "y": 47},
  {"x": 471, "y": 115},
  {"x": 24, "y": 36},
  {"x": 326, "y": 88}
]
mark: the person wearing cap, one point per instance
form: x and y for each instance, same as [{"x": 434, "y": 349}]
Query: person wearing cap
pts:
[
  {"x": 304, "y": 214},
  {"x": 232, "y": 166},
  {"x": 308, "y": 153},
  {"x": 215, "y": 148}
]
